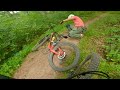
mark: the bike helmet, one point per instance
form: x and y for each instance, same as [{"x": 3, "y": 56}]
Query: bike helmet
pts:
[{"x": 71, "y": 15}]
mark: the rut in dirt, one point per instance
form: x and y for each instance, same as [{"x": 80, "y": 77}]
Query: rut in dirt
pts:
[{"x": 36, "y": 65}]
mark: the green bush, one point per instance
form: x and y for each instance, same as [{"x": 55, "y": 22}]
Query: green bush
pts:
[{"x": 20, "y": 29}]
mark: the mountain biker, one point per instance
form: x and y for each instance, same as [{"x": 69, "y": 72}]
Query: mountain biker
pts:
[{"x": 77, "y": 29}]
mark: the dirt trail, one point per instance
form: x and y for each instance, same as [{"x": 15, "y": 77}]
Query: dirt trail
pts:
[{"x": 36, "y": 65}]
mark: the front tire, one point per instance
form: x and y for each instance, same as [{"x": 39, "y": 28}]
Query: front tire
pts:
[{"x": 71, "y": 59}]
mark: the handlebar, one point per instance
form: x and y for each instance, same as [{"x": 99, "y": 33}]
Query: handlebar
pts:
[{"x": 61, "y": 22}]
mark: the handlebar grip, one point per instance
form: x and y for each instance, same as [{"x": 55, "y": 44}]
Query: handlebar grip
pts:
[{"x": 61, "y": 22}]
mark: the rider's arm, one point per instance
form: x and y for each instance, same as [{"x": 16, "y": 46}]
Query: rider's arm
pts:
[{"x": 68, "y": 19}]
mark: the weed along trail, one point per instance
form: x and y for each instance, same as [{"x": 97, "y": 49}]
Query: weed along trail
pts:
[{"x": 36, "y": 65}]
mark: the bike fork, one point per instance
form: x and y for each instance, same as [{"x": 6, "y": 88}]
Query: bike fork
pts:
[{"x": 59, "y": 52}]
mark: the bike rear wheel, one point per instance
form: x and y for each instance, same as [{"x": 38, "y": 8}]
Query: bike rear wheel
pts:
[
  {"x": 90, "y": 64},
  {"x": 72, "y": 55},
  {"x": 101, "y": 74},
  {"x": 40, "y": 42}
]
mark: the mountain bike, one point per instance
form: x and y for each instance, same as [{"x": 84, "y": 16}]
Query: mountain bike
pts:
[
  {"x": 88, "y": 69},
  {"x": 63, "y": 55}
]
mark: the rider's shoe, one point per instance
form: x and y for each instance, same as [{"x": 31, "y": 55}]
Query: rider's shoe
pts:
[{"x": 81, "y": 35}]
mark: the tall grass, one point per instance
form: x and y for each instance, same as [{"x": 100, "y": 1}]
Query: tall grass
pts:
[
  {"x": 96, "y": 40},
  {"x": 22, "y": 31}
]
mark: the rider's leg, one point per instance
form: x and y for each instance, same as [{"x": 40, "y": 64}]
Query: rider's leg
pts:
[
  {"x": 76, "y": 33},
  {"x": 69, "y": 27},
  {"x": 83, "y": 29}
]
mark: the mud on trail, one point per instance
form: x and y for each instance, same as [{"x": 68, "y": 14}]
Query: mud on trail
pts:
[{"x": 36, "y": 65}]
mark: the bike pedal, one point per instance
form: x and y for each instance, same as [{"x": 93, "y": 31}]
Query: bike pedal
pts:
[{"x": 65, "y": 36}]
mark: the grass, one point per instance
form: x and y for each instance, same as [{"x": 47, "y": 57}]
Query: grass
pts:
[
  {"x": 12, "y": 64},
  {"x": 105, "y": 27},
  {"x": 95, "y": 38}
]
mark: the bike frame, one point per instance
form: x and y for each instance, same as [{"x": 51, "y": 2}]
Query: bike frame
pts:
[{"x": 59, "y": 51}]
